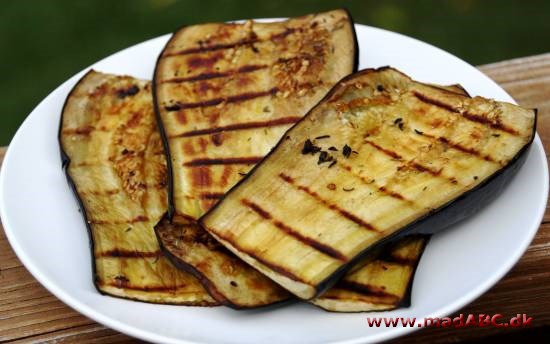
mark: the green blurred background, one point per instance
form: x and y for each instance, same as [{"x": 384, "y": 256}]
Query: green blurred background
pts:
[{"x": 45, "y": 42}]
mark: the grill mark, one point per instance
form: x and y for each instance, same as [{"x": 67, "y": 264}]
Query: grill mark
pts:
[
  {"x": 140, "y": 218},
  {"x": 438, "y": 103},
  {"x": 395, "y": 259},
  {"x": 382, "y": 188},
  {"x": 240, "y": 126},
  {"x": 386, "y": 151},
  {"x": 357, "y": 220},
  {"x": 273, "y": 266},
  {"x": 184, "y": 216},
  {"x": 393, "y": 194},
  {"x": 224, "y": 46},
  {"x": 422, "y": 168},
  {"x": 127, "y": 254},
  {"x": 100, "y": 192},
  {"x": 153, "y": 288},
  {"x": 211, "y": 195},
  {"x": 469, "y": 116},
  {"x": 494, "y": 125},
  {"x": 216, "y": 101},
  {"x": 365, "y": 289},
  {"x": 224, "y": 161},
  {"x": 464, "y": 149},
  {"x": 215, "y": 75},
  {"x": 329, "y": 251}
]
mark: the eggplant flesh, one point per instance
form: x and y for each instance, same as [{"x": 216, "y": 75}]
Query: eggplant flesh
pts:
[
  {"x": 380, "y": 157},
  {"x": 378, "y": 285},
  {"x": 113, "y": 157},
  {"x": 227, "y": 278},
  {"x": 226, "y": 92}
]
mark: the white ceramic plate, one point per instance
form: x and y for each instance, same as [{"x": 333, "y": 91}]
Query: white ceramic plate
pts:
[{"x": 43, "y": 225}]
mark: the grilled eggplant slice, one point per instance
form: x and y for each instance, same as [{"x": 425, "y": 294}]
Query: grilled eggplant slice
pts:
[
  {"x": 397, "y": 157},
  {"x": 114, "y": 160},
  {"x": 379, "y": 285},
  {"x": 228, "y": 279},
  {"x": 225, "y": 93}
]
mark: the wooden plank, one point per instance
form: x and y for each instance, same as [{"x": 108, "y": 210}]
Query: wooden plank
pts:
[{"x": 29, "y": 313}]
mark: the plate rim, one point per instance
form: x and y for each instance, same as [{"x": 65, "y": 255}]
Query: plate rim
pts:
[{"x": 133, "y": 331}]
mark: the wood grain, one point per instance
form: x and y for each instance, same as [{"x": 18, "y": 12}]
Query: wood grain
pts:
[{"x": 29, "y": 313}]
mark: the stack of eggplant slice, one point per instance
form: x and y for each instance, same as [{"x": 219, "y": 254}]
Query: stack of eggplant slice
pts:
[{"x": 285, "y": 172}]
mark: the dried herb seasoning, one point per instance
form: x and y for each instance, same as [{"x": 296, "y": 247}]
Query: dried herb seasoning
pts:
[
  {"x": 346, "y": 151},
  {"x": 310, "y": 148},
  {"x": 324, "y": 157}
]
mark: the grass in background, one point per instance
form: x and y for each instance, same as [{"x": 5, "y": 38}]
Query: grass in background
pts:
[{"x": 45, "y": 42}]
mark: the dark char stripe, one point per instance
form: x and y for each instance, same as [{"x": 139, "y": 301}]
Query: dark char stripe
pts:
[
  {"x": 422, "y": 168},
  {"x": 365, "y": 289},
  {"x": 211, "y": 195},
  {"x": 383, "y": 300},
  {"x": 468, "y": 116},
  {"x": 382, "y": 188},
  {"x": 214, "y": 75},
  {"x": 128, "y": 254},
  {"x": 329, "y": 205},
  {"x": 250, "y": 252},
  {"x": 214, "y": 47},
  {"x": 329, "y": 251},
  {"x": 224, "y": 161},
  {"x": 386, "y": 151},
  {"x": 395, "y": 259},
  {"x": 464, "y": 149},
  {"x": 241, "y": 126},
  {"x": 213, "y": 102},
  {"x": 136, "y": 219},
  {"x": 152, "y": 288},
  {"x": 494, "y": 125}
]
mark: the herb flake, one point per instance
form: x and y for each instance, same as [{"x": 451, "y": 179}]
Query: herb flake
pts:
[
  {"x": 324, "y": 157},
  {"x": 310, "y": 148},
  {"x": 346, "y": 151}
]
